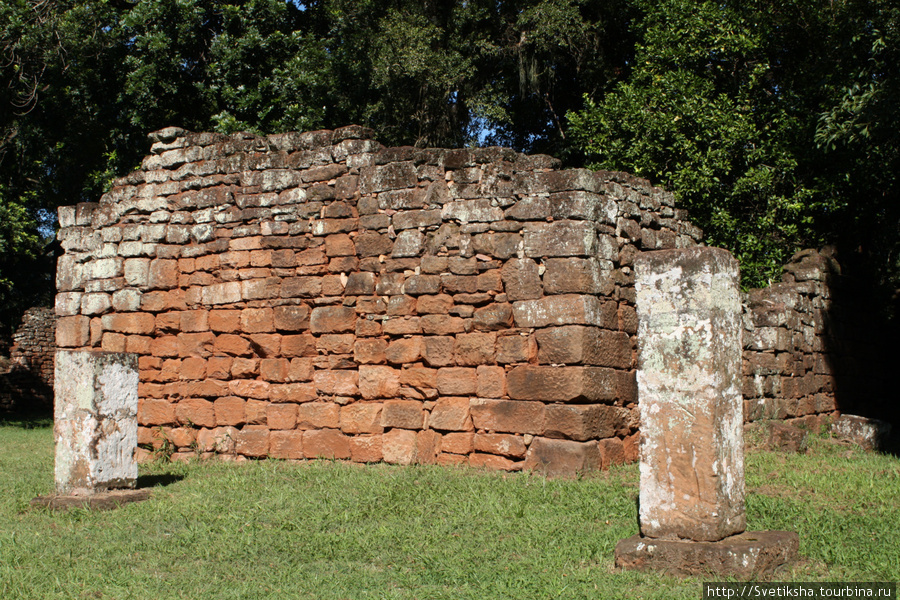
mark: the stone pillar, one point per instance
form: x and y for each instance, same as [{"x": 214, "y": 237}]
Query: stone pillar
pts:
[
  {"x": 689, "y": 390},
  {"x": 691, "y": 512},
  {"x": 95, "y": 421}
]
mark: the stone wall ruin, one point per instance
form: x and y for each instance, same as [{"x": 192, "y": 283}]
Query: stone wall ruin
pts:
[{"x": 318, "y": 294}]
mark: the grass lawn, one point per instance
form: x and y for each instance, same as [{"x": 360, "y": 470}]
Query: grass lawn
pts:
[{"x": 326, "y": 530}]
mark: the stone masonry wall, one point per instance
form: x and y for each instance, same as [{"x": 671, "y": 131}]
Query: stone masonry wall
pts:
[
  {"x": 27, "y": 382},
  {"x": 317, "y": 294},
  {"x": 791, "y": 344}
]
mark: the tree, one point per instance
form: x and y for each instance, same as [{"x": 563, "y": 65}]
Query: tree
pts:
[{"x": 723, "y": 105}]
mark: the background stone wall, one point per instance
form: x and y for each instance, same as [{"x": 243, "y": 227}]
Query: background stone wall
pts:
[
  {"x": 26, "y": 380},
  {"x": 316, "y": 294}
]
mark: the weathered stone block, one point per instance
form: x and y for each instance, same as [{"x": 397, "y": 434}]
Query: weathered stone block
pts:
[
  {"x": 567, "y": 309},
  {"x": 562, "y": 458},
  {"x": 507, "y": 416},
  {"x": 560, "y": 238},
  {"x": 689, "y": 385},
  {"x": 95, "y": 421},
  {"x": 561, "y": 384},
  {"x": 576, "y": 344}
]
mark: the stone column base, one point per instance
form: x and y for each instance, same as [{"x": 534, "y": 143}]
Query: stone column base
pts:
[
  {"x": 97, "y": 501},
  {"x": 749, "y": 555}
]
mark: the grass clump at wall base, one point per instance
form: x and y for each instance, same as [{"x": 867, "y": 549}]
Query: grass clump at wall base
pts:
[{"x": 329, "y": 530}]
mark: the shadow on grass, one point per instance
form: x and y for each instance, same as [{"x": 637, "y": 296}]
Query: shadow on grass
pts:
[
  {"x": 151, "y": 481},
  {"x": 33, "y": 419}
]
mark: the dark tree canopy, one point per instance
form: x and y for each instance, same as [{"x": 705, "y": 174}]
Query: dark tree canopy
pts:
[{"x": 775, "y": 123}]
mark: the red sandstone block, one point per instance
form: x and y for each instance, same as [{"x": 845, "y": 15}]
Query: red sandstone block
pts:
[
  {"x": 274, "y": 369},
  {"x": 281, "y": 416},
  {"x": 192, "y": 368},
  {"x": 402, "y": 326},
  {"x": 113, "y": 342},
  {"x": 404, "y": 351},
  {"x": 456, "y": 381},
  {"x": 473, "y": 349},
  {"x": 194, "y": 320},
  {"x": 361, "y": 417},
  {"x": 316, "y": 415},
  {"x": 291, "y": 318},
  {"x": 438, "y": 351},
  {"x": 458, "y": 443},
  {"x": 490, "y": 461},
  {"x": 404, "y": 414},
  {"x": 163, "y": 273},
  {"x": 169, "y": 322},
  {"x": 208, "y": 388},
  {"x": 219, "y": 367},
  {"x": 451, "y": 460},
  {"x": 577, "y": 344},
  {"x": 631, "y": 447},
  {"x": 300, "y": 369},
  {"x": 255, "y": 411},
  {"x": 141, "y": 323},
  {"x": 500, "y": 443},
  {"x": 508, "y": 416},
  {"x": 516, "y": 349},
  {"x": 366, "y": 448},
  {"x": 293, "y": 392},
  {"x": 612, "y": 452},
  {"x": 369, "y": 351},
  {"x": 450, "y": 414},
  {"x": 196, "y": 344},
  {"x": 442, "y": 324},
  {"x": 196, "y": 411},
  {"x": 138, "y": 344},
  {"x": 181, "y": 437},
  {"x": 96, "y": 329},
  {"x": 224, "y": 321},
  {"x": 249, "y": 388},
  {"x": 298, "y": 345},
  {"x": 155, "y": 411},
  {"x": 583, "y": 422},
  {"x": 376, "y": 381},
  {"x": 326, "y": 443},
  {"x": 428, "y": 447},
  {"x": 626, "y": 386},
  {"x": 266, "y": 345},
  {"x": 258, "y": 285},
  {"x": 233, "y": 345},
  {"x": 253, "y": 441},
  {"x": 562, "y": 458},
  {"x": 399, "y": 446},
  {"x": 332, "y": 319},
  {"x": 286, "y": 444},
  {"x": 401, "y": 306},
  {"x": 220, "y": 439},
  {"x": 420, "y": 378},
  {"x": 164, "y": 346},
  {"x": 230, "y": 410},
  {"x": 335, "y": 343},
  {"x": 235, "y": 260},
  {"x": 491, "y": 381},
  {"x": 244, "y": 368},
  {"x": 339, "y": 244},
  {"x": 562, "y": 384},
  {"x": 337, "y": 383},
  {"x": 257, "y": 320},
  {"x": 439, "y": 304}
]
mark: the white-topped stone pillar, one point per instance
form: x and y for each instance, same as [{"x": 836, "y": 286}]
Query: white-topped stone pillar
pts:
[
  {"x": 689, "y": 392},
  {"x": 95, "y": 421}
]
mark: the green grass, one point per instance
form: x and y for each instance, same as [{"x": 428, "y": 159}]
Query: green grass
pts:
[{"x": 328, "y": 530}]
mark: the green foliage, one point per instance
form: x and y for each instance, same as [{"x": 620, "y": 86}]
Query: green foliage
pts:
[{"x": 722, "y": 106}]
